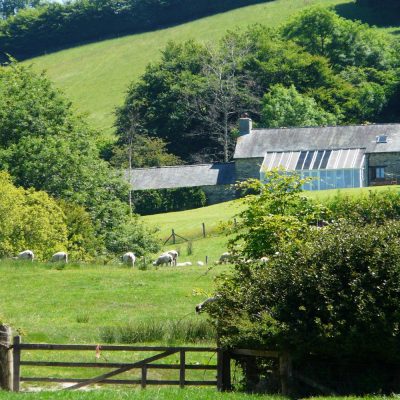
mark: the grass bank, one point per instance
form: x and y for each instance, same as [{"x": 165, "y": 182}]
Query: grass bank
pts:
[{"x": 148, "y": 394}]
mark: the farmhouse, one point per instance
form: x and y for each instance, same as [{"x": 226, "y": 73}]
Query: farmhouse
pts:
[{"x": 335, "y": 156}]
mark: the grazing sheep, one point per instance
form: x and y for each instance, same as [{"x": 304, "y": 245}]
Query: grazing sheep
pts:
[
  {"x": 164, "y": 259},
  {"x": 184, "y": 264},
  {"x": 174, "y": 255},
  {"x": 200, "y": 263},
  {"x": 199, "y": 307},
  {"x": 129, "y": 259},
  {"x": 225, "y": 258},
  {"x": 26, "y": 255},
  {"x": 60, "y": 256},
  {"x": 264, "y": 260}
]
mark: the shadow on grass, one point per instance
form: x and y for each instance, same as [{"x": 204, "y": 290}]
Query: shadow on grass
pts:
[{"x": 382, "y": 17}]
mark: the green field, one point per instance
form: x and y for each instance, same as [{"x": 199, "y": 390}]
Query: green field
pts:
[
  {"x": 188, "y": 223},
  {"x": 96, "y": 76}
]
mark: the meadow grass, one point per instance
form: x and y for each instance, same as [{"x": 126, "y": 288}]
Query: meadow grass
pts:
[
  {"x": 95, "y": 77},
  {"x": 78, "y": 304},
  {"x": 148, "y": 394},
  {"x": 188, "y": 223}
]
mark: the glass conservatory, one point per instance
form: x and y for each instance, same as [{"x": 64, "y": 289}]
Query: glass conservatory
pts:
[{"x": 330, "y": 169}]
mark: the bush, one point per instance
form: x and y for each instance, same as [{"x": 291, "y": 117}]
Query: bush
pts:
[
  {"x": 165, "y": 200},
  {"x": 332, "y": 302},
  {"x": 29, "y": 220},
  {"x": 329, "y": 295}
]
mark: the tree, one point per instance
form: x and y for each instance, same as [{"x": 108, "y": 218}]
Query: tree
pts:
[
  {"x": 45, "y": 146},
  {"x": 223, "y": 92},
  {"x": 286, "y": 107},
  {"x": 29, "y": 219},
  {"x": 345, "y": 43}
]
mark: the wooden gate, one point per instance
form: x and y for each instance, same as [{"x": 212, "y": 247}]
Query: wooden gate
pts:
[{"x": 222, "y": 368}]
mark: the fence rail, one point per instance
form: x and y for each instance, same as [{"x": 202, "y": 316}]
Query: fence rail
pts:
[
  {"x": 118, "y": 367},
  {"x": 11, "y": 362}
]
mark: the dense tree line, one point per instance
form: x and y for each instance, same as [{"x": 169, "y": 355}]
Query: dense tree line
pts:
[
  {"x": 317, "y": 69},
  {"x": 380, "y": 3},
  {"x": 44, "y": 146},
  {"x": 54, "y": 25}
]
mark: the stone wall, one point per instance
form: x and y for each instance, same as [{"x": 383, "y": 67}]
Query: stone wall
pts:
[
  {"x": 219, "y": 193},
  {"x": 391, "y": 162},
  {"x": 248, "y": 168}
]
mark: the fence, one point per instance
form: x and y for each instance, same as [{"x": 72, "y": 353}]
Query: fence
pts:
[{"x": 11, "y": 361}]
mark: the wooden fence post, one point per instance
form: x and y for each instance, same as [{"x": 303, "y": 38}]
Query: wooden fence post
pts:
[
  {"x": 6, "y": 358},
  {"x": 173, "y": 237},
  {"x": 204, "y": 229},
  {"x": 17, "y": 359},
  {"x": 144, "y": 377},
  {"x": 285, "y": 372},
  {"x": 223, "y": 371},
  {"x": 182, "y": 367}
]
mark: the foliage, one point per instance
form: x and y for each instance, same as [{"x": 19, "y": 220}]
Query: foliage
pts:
[
  {"x": 343, "y": 42},
  {"x": 55, "y": 25},
  {"x": 167, "y": 200},
  {"x": 29, "y": 220},
  {"x": 286, "y": 107},
  {"x": 328, "y": 294},
  {"x": 276, "y": 214},
  {"x": 379, "y": 3},
  {"x": 82, "y": 241},
  {"x": 146, "y": 152},
  {"x": 317, "y": 69},
  {"x": 45, "y": 146}
]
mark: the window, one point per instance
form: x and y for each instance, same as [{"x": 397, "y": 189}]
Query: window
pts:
[
  {"x": 380, "y": 172},
  {"x": 377, "y": 173}
]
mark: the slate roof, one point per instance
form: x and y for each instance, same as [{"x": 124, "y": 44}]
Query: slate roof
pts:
[
  {"x": 183, "y": 176},
  {"x": 261, "y": 141}
]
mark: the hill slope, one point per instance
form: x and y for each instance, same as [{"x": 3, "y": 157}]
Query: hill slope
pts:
[{"x": 96, "y": 76}]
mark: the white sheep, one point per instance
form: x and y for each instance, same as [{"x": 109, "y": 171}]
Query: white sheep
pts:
[
  {"x": 174, "y": 255},
  {"x": 200, "y": 263},
  {"x": 264, "y": 260},
  {"x": 225, "y": 258},
  {"x": 184, "y": 264},
  {"x": 129, "y": 259},
  {"x": 199, "y": 307},
  {"x": 164, "y": 259},
  {"x": 60, "y": 256},
  {"x": 26, "y": 255}
]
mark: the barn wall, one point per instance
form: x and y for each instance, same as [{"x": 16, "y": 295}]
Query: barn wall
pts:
[
  {"x": 248, "y": 168},
  {"x": 391, "y": 162},
  {"x": 219, "y": 193}
]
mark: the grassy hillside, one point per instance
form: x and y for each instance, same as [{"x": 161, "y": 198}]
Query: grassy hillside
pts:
[
  {"x": 188, "y": 223},
  {"x": 96, "y": 76}
]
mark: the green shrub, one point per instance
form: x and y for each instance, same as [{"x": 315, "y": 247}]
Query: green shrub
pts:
[
  {"x": 332, "y": 302},
  {"x": 29, "y": 220},
  {"x": 165, "y": 200}
]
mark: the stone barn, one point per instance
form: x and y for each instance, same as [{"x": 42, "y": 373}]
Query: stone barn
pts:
[
  {"x": 335, "y": 156},
  {"x": 215, "y": 180}
]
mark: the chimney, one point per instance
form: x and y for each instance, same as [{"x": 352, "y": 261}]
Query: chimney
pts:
[{"x": 245, "y": 125}]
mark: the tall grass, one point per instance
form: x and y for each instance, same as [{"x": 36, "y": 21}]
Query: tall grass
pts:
[{"x": 184, "y": 331}]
